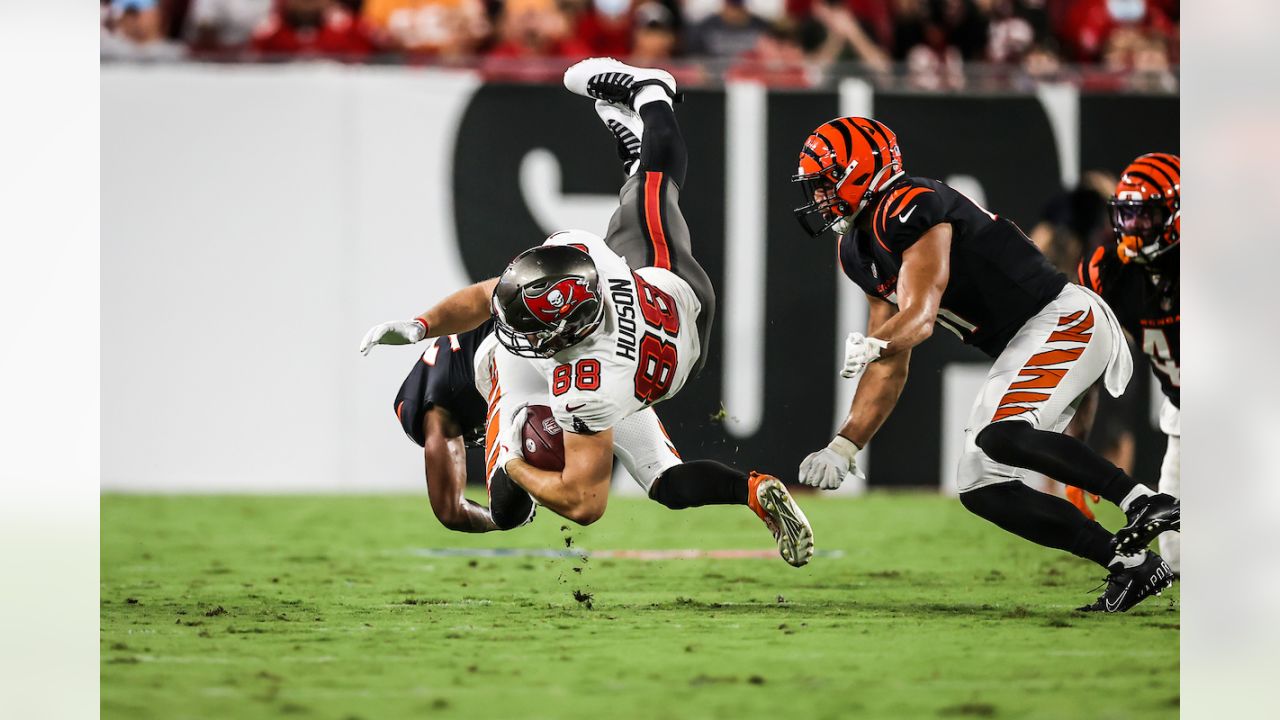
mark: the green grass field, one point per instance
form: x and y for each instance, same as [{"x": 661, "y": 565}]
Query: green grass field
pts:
[{"x": 327, "y": 607}]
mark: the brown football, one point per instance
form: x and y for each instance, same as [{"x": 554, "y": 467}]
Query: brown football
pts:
[{"x": 542, "y": 439}]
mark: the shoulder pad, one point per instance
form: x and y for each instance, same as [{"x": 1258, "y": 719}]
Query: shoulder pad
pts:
[
  {"x": 905, "y": 214},
  {"x": 1092, "y": 268}
]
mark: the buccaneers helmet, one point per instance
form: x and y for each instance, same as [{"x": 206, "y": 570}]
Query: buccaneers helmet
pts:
[
  {"x": 547, "y": 299},
  {"x": 843, "y": 164},
  {"x": 1145, "y": 210}
]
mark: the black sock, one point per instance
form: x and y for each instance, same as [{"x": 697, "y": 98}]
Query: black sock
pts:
[
  {"x": 700, "y": 482},
  {"x": 662, "y": 146},
  {"x": 1059, "y": 456},
  {"x": 1041, "y": 518}
]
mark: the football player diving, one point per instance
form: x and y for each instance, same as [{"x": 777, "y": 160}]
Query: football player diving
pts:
[
  {"x": 928, "y": 256},
  {"x": 611, "y": 326},
  {"x": 1138, "y": 276}
]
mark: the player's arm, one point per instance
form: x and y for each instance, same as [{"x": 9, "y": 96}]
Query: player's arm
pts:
[
  {"x": 926, "y": 268},
  {"x": 580, "y": 491},
  {"x": 445, "y": 458},
  {"x": 464, "y": 310},
  {"x": 875, "y": 398},
  {"x": 881, "y": 384}
]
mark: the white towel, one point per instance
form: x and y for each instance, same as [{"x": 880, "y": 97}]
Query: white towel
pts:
[{"x": 1120, "y": 364}]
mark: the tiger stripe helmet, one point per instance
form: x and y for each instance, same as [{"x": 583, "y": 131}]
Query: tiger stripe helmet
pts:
[
  {"x": 1145, "y": 210},
  {"x": 843, "y": 164}
]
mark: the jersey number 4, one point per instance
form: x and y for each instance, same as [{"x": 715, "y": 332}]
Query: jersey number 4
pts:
[{"x": 1155, "y": 344}]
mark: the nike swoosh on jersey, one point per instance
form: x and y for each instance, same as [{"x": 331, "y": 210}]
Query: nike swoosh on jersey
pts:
[
  {"x": 903, "y": 217},
  {"x": 574, "y": 408}
]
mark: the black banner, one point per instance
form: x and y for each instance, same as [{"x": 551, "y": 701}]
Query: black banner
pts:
[{"x": 1004, "y": 142}]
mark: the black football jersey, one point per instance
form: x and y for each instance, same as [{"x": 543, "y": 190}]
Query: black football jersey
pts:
[
  {"x": 1145, "y": 300},
  {"x": 445, "y": 376},
  {"x": 999, "y": 279}
]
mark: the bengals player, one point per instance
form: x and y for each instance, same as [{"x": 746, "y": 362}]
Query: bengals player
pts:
[
  {"x": 927, "y": 256},
  {"x": 1138, "y": 276},
  {"x": 613, "y": 325}
]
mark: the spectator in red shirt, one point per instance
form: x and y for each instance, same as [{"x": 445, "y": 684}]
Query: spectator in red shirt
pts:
[
  {"x": 311, "y": 27},
  {"x": 606, "y": 27},
  {"x": 777, "y": 60},
  {"x": 1088, "y": 24},
  {"x": 533, "y": 30}
]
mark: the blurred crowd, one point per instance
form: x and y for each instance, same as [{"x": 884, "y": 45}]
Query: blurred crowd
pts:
[{"x": 932, "y": 44}]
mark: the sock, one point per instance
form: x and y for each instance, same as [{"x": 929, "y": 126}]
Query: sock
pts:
[
  {"x": 648, "y": 94},
  {"x": 1043, "y": 519},
  {"x": 700, "y": 482},
  {"x": 1137, "y": 492},
  {"x": 1059, "y": 456},
  {"x": 662, "y": 147}
]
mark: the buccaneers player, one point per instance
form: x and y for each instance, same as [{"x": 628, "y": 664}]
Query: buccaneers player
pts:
[
  {"x": 928, "y": 256},
  {"x": 1138, "y": 276},
  {"x": 614, "y": 325}
]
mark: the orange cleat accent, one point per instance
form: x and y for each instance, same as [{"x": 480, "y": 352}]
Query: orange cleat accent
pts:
[
  {"x": 1077, "y": 497},
  {"x": 769, "y": 500}
]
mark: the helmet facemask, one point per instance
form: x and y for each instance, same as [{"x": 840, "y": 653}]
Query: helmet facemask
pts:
[
  {"x": 1144, "y": 228},
  {"x": 823, "y": 208}
]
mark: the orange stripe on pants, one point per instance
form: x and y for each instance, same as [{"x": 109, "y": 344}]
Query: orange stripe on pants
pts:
[{"x": 653, "y": 218}]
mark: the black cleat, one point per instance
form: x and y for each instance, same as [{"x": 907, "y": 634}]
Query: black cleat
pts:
[
  {"x": 1148, "y": 517},
  {"x": 1127, "y": 587}
]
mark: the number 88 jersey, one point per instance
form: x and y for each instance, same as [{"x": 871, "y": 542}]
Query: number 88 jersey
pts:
[{"x": 643, "y": 352}]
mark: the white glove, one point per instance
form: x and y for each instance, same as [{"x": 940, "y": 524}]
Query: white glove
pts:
[
  {"x": 510, "y": 440},
  {"x": 859, "y": 352},
  {"x": 826, "y": 468},
  {"x": 396, "y": 332}
]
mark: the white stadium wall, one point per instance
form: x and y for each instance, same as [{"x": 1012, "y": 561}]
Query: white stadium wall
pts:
[{"x": 256, "y": 220}]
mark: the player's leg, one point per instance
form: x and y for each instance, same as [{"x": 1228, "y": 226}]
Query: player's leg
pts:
[
  {"x": 1063, "y": 359},
  {"x": 648, "y": 228},
  {"x": 1170, "y": 483},
  {"x": 1017, "y": 422},
  {"x": 646, "y": 451}
]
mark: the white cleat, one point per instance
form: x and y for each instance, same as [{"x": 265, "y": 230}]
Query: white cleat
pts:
[
  {"x": 769, "y": 498},
  {"x": 614, "y": 81},
  {"x": 627, "y": 129}
]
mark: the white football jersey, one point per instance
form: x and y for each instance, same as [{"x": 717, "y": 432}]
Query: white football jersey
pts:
[{"x": 642, "y": 353}]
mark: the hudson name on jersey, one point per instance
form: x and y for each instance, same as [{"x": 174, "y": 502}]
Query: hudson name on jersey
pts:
[
  {"x": 998, "y": 281},
  {"x": 642, "y": 353}
]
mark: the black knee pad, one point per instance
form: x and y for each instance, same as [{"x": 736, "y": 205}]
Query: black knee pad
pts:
[
  {"x": 1001, "y": 441},
  {"x": 509, "y": 504}
]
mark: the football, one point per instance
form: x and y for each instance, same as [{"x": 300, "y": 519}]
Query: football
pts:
[{"x": 542, "y": 440}]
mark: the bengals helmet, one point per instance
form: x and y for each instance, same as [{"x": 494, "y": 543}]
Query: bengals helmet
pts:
[
  {"x": 843, "y": 164},
  {"x": 547, "y": 299},
  {"x": 1145, "y": 210}
]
